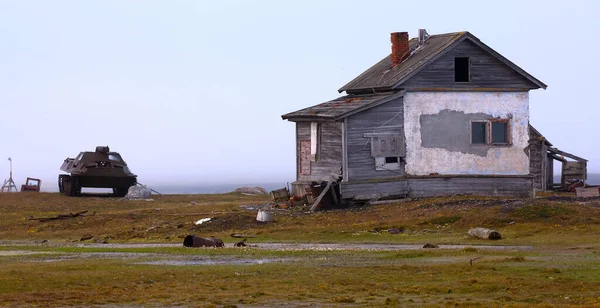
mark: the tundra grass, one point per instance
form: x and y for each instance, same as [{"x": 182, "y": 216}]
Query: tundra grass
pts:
[
  {"x": 51, "y": 264},
  {"x": 361, "y": 278}
]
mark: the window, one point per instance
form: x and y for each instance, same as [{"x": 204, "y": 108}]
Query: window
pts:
[
  {"x": 392, "y": 160},
  {"x": 114, "y": 157},
  {"x": 387, "y": 150},
  {"x": 491, "y": 132},
  {"x": 478, "y": 132},
  {"x": 387, "y": 163},
  {"x": 500, "y": 133},
  {"x": 461, "y": 69}
]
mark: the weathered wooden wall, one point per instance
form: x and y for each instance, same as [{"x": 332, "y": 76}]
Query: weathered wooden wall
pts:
[
  {"x": 388, "y": 118},
  {"x": 486, "y": 72},
  {"x": 572, "y": 171},
  {"x": 538, "y": 160},
  {"x": 329, "y": 151},
  {"x": 515, "y": 186}
]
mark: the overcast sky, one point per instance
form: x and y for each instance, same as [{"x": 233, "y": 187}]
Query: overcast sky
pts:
[{"x": 193, "y": 91}]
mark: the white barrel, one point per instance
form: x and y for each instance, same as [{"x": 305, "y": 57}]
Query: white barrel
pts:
[{"x": 264, "y": 216}]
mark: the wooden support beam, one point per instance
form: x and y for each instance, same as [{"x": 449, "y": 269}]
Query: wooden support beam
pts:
[{"x": 569, "y": 155}]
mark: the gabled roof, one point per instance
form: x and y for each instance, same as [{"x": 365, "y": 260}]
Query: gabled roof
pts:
[
  {"x": 341, "y": 107},
  {"x": 382, "y": 76}
]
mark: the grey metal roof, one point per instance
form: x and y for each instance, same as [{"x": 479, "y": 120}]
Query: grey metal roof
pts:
[
  {"x": 382, "y": 76},
  {"x": 341, "y": 107}
]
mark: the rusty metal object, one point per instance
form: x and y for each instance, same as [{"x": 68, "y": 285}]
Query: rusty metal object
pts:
[
  {"x": 194, "y": 241},
  {"x": 101, "y": 168},
  {"x": 31, "y": 184}
]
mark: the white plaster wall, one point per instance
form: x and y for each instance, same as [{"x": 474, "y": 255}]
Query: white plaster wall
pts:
[{"x": 510, "y": 160}]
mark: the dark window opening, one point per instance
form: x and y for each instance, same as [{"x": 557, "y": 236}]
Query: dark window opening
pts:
[
  {"x": 500, "y": 133},
  {"x": 391, "y": 160},
  {"x": 478, "y": 132},
  {"x": 461, "y": 70}
]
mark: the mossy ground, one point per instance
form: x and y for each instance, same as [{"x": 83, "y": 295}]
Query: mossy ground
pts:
[{"x": 44, "y": 265}]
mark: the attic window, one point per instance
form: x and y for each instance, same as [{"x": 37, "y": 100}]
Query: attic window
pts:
[{"x": 461, "y": 69}]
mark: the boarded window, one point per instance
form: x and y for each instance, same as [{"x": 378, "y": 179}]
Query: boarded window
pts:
[
  {"x": 305, "y": 157},
  {"x": 388, "y": 145},
  {"x": 462, "y": 70},
  {"x": 387, "y": 150},
  {"x": 478, "y": 132}
]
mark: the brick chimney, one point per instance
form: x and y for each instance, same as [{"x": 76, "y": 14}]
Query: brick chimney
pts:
[{"x": 400, "y": 49}]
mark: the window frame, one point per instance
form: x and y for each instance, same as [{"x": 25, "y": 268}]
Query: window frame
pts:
[
  {"x": 395, "y": 148},
  {"x": 382, "y": 165},
  {"x": 485, "y": 134},
  {"x": 489, "y": 132},
  {"x": 507, "y": 135}
]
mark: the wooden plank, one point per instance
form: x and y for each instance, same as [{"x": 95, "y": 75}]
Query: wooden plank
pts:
[
  {"x": 437, "y": 186},
  {"x": 582, "y": 192},
  {"x": 317, "y": 203}
]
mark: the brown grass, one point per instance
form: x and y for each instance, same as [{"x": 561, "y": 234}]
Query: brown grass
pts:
[{"x": 562, "y": 268}]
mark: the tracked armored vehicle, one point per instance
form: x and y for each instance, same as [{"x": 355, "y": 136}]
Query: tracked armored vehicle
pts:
[{"x": 99, "y": 169}]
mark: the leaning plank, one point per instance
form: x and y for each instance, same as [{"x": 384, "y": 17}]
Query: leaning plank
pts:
[
  {"x": 484, "y": 233},
  {"x": 316, "y": 205},
  {"x": 61, "y": 216}
]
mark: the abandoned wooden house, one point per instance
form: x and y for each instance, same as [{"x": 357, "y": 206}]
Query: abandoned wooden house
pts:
[{"x": 442, "y": 114}]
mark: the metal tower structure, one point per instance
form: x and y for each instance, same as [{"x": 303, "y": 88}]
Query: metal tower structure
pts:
[{"x": 9, "y": 184}]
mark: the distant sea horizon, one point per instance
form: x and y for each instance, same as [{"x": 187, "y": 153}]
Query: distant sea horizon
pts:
[
  {"x": 204, "y": 188},
  {"x": 188, "y": 189}
]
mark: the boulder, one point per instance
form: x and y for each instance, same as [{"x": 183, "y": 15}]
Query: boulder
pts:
[
  {"x": 484, "y": 233},
  {"x": 138, "y": 193},
  {"x": 251, "y": 190}
]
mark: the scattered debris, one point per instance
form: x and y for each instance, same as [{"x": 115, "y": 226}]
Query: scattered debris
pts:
[
  {"x": 86, "y": 237},
  {"x": 280, "y": 195},
  {"x": 471, "y": 260},
  {"x": 250, "y": 190},
  {"x": 203, "y": 220},
  {"x": 264, "y": 216},
  {"x": 241, "y": 243},
  {"x": 31, "y": 184},
  {"x": 138, "y": 193},
  {"x": 484, "y": 233},
  {"x": 194, "y": 241},
  {"x": 62, "y": 216},
  {"x": 430, "y": 246}
]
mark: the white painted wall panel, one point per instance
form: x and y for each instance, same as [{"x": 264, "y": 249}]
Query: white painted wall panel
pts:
[{"x": 510, "y": 160}]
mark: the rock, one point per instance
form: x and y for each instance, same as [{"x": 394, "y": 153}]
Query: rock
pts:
[
  {"x": 194, "y": 241},
  {"x": 395, "y": 230},
  {"x": 251, "y": 190},
  {"x": 138, "y": 193},
  {"x": 484, "y": 233}
]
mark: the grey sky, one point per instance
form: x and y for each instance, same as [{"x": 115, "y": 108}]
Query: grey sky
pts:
[{"x": 194, "y": 90}]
